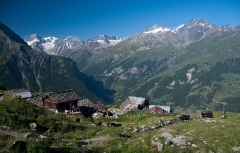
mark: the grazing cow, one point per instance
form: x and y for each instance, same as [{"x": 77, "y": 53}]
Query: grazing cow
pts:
[
  {"x": 207, "y": 114},
  {"x": 185, "y": 117},
  {"x": 113, "y": 124},
  {"x": 118, "y": 124}
]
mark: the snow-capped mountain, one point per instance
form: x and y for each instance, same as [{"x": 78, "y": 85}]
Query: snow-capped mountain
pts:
[
  {"x": 35, "y": 42},
  {"x": 143, "y": 63},
  {"x": 53, "y": 45},
  {"x": 106, "y": 40},
  {"x": 100, "y": 42},
  {"x": 180, "y": 36}
]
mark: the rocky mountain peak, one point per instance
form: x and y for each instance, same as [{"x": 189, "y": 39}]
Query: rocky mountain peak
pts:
[
  {"x": 106, "y": 40},
  {"x": 155, "y": 26},
  {"x": 198, "y": 22},
  {"x": 73, "y": 38}
]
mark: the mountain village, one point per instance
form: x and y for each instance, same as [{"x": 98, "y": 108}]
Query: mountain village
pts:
[{"x": 69, "y": 103}]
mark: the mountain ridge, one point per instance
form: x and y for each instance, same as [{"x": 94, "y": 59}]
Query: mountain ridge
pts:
[
  {"x": 143, "y": 64},
  {"x": 191, "y": 66},
  {"x": 23, "y": 67}
]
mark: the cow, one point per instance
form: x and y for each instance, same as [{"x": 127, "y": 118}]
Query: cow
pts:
[
  {"x": 185, "y": 117},
  {"x": 207, "y": 114},
  {"x": 113, "y": 124}
]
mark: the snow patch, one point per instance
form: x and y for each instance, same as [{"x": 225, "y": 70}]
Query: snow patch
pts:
[
  {"x": 101, "y": 41},
  {"x": 114, "y": 42},
  {"x": 68, "y": 37},
  {"x": 157, "y": 30},
  {"x": 33, "y": 41},
  {"x": 175, "y": 30}
]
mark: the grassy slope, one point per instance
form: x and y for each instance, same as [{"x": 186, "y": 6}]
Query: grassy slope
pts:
[{"x": 214, "y": 134}]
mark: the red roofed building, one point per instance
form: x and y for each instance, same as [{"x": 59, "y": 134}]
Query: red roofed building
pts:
[{"x": 157, "y": 110}]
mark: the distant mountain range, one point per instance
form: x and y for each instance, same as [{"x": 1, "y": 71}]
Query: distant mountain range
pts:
[
  {"x": 23, "y": 67},
  {"x": 56, "y": 46},
  {"x": 194, "y": 66}
]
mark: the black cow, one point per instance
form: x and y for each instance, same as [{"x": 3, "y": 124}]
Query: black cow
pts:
[
  {"x": 113, "y": 124},
  {"x": 207, "y": 114},
  {"x": 185, "y": 117}
]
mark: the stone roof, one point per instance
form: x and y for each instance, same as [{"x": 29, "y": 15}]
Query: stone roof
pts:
[
  {"x": 64, "y": 96},
  {"x": 37, "y": 98},
  {"x": 99, "y": 107},
  {"x": 14, "y": 91},
  {"x": 85, "y": 102}
]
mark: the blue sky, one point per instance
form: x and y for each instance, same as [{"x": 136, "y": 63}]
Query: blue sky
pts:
[{"x": 89, "y": 18}]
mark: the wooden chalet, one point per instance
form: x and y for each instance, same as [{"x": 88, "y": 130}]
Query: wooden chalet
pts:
[{"x": 61, "y": 101}]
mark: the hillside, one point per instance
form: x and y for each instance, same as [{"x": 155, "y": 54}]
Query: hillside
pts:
[
  {"x": 194, "y": 66},
  {"x": 23, "y": 67},
  {"x": 140, "y": 131}
]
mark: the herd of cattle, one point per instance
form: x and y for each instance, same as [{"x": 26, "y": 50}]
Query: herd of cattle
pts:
[{"x": 171, "y": 121}]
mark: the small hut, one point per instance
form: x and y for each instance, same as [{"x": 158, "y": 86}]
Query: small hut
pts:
[{"x": 61, "y": 101}]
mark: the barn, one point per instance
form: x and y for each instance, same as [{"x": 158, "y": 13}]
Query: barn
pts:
[{"x": 61, "y": 100}]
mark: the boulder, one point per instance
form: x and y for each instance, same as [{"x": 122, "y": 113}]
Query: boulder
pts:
[
  {"x": 33, "y": 126},
  {"x": 194, "y": 145},
  {"x": 159, "y": 145},
  {"x": 115, "y": 111},
  {"x": 179, "y": 140},
  {"x": 97, "y": 115},
  {"x": 236, "y": 148},
  {"x": 135, "y": 129}
]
